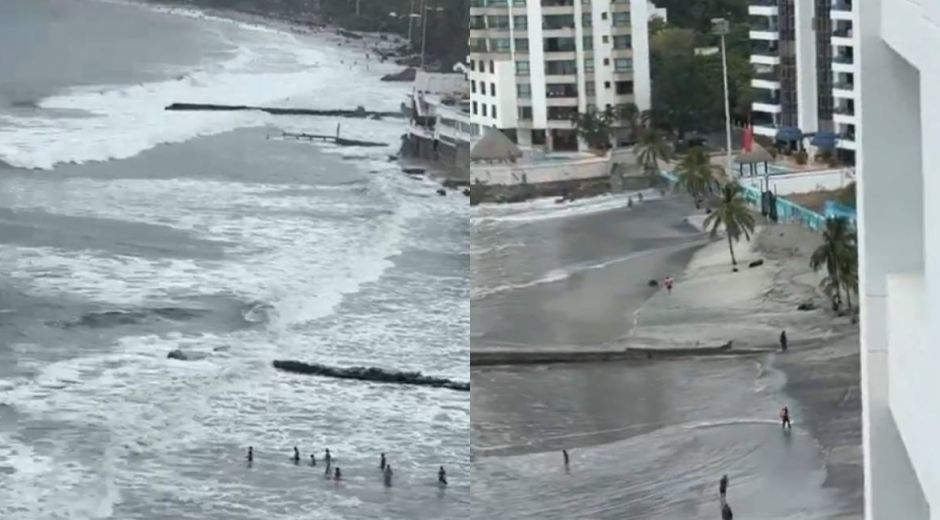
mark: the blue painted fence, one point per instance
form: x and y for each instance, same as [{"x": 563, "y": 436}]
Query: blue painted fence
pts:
[{"x": 788, "y": 211}]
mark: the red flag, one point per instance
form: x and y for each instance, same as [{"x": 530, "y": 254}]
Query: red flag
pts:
[{"x": 748, "y": 137}]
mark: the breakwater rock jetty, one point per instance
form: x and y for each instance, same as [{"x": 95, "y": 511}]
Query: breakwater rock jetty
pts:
[
  {"x": 373, "y": 374},
  {"x": 358, "y": 112}
]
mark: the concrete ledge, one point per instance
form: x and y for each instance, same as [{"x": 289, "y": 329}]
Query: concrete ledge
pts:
[{"x": 542, "y": 357}]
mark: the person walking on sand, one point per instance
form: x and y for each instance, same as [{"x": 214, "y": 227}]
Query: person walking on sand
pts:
[
  {"x": 565, "y": 455},
  {"x": 783, "y": 340},
  {"x": 387, "y": 476},
  {"x": 382, "y": 462},
  {"x": 726, "y": 513},
  {"x": 723, "y": 486},
  {"x": 668, "y": 281},
  {"x": 313, "y": 460},
  {"x": 442, "y": 476},
  {"x": 296, "y": 457},
  {"x": 785, "y": 418}
]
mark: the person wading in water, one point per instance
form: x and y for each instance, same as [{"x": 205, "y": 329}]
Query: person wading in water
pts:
[
  {"x": 785, "y": 418},
  {"x": 783, "y": 341}
]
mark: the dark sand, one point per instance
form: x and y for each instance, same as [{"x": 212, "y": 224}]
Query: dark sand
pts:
[{"x": 650, "y": 439}]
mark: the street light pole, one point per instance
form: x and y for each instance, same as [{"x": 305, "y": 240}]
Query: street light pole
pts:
[
  {"x": 411, "y": 20},
  {"x": 424, "y": 30},
  {"x": 721, "y": 27}
]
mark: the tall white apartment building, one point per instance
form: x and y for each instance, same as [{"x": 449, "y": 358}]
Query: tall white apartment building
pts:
[
  {"x": 534, "y": 63},
  {"x": 898, "y": 69},
  {"x": 802, "y": 52}
]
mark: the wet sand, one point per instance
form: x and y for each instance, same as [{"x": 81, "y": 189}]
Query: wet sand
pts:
[
  {"x": 574, "y": 281},
  {"x": 649, "y": 439}
]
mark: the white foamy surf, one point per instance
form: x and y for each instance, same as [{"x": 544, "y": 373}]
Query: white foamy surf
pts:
[{"x": 333, "y": 272}]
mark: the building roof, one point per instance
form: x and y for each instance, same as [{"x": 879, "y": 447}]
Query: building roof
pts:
[
  {"x": 444, "y": 84},
  {"x": 757, "y": 155},
  {"x": 494, "y": 146}
]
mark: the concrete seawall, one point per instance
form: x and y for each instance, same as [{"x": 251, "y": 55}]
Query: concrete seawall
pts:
[{"x": 543, "y": 357}]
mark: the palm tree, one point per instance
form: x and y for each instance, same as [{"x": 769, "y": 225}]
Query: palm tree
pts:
[
  {"x": 733, "y": 214},
  {"x": 839, "y": 255},
  {"x": 697, "y": 174},
  {"x": 651, "y": 148},
  {"x": 594, "y": 127}
]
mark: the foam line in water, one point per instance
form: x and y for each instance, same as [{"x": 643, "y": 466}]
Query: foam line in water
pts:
[{"x": 373, "y": 374}]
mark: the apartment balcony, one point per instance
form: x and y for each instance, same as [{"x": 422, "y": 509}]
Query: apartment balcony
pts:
[
  {"x": 843, "y": 63},
  {"x": 765, "y": 59},
  {"x": 843, "y": 37},
  {"x": 561, "y": 102},
  {"x": 763, "y": 8},
  {"x": 844, "y": 115},
  {"x": 767, "y": 84},
  {"x": 847, "y": 142},
  {"x": 766, "y": 131},
  {"x": 843, "y": 90},
  {"x": 841, "y": 10},
  {"x": 767, "y": 105},
  {"x": 764, "y": 35}
]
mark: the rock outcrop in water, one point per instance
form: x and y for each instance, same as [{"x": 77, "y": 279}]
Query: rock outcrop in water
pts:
[{"x": 376, "y": 375}]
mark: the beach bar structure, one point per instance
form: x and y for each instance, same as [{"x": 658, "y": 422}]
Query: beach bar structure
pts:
[{"x": 899, "y": 255}]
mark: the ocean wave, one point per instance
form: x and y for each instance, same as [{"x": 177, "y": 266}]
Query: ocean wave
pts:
[
  {"x": 128, "y": 119},
  {"x": 107, "y": 319},
  {"x": 547, "y": 209},
  {"x": 372, "y": 374},
  {"x": 558, "y": 275}
]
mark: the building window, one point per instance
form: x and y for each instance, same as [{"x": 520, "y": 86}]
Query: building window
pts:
[
  {"x": 590, "y": 89},
  {"x": 561, "y": 67},
  {"x": 622, "y": 42},
  {"x": 524, "y": 90},
  {"x": 473, "y": 86},
  {"x": 606, "y": 84},
  {"x": 522, "y": 68},
  {"x": 493, "y": 89},
  {"x": 520, "y": 22},
  {"x": 604, "y": 15},
  {"x": 605, "y": 39},
  {"x": 474, "y": 108},
  {"x": 522, "y": 45},
  {"x": 561, "y": 113},
  {"x": 589, "y": 65},
  {"x": 525, "y": 112},
  {"x": 623, "y": 64},
  {"x": 558, "y": 21},
  {"x": 492, "y": 67},
  {"x": 586, "y": 20},
  {"x": 621, "y": 19},
  {"x": 500, "y": 45},
  {"x": 483, "y": 107},
  {"x": 588, "y": 43},
  {"x": 494, "y": 111},
  {"x": 624, "y": 87},
  {"x": 473, "y": 65},
  {"x": 497, "y": 22},
  {"x": 606, "y": 61},
  {"x": 559, "y": 45},
  {"x": 518, "y": 3}
]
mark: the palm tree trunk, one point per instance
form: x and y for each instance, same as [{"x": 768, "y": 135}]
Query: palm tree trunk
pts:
[
  {"x": 734, "y": 262},
  {"x": 848, "y": 298}
]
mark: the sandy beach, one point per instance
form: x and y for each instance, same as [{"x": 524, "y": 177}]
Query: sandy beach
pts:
[{"x": 625, "y": 421}]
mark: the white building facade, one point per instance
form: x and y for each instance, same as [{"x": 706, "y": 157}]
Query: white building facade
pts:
[
  {"x": 535, "y": 63},
  {"x": 804, "y": 68},
  {"x": 898, "y": 64}
]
